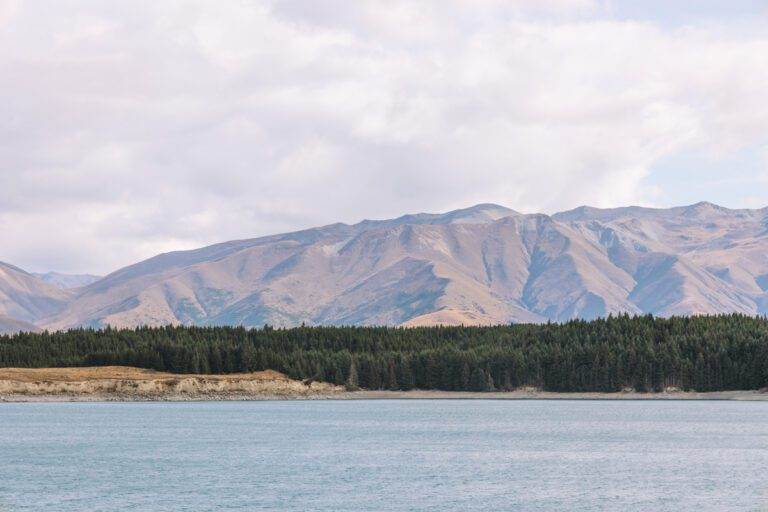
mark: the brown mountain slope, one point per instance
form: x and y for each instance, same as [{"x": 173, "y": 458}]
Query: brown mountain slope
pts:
[
  {"x": 67, "y": 281},
  {"x": 697, "y": 259},
  {"x": 10, "y": 325},
  {"x": 26, "y": 298},
  {"x": 485, "y": 264}
]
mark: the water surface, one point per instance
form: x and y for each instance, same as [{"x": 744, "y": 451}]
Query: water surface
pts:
[{"x": 384, "y": 455}]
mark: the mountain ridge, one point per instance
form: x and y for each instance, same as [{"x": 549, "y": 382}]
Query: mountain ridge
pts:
[
  {"x": 67, "y": 281},
  {"x": 26, "y": 298},
  {"x": 482, "y": 264}
]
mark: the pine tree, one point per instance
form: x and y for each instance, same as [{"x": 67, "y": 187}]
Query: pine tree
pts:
[
  {"x": 352, "y": 380},
  {"x": 479, "y": 380},
  {"x": 724, "y": 352},
  {"x": 392, "y": 384}
]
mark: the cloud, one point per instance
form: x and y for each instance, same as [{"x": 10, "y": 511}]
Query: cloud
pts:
[{"x": 130, "y": 129}]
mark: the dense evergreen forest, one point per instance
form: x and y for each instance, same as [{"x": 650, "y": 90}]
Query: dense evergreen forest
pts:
[{"x": 704, "y": 353}]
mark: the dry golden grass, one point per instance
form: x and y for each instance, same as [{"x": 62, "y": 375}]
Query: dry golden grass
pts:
[{"x": 120, "y": 373}]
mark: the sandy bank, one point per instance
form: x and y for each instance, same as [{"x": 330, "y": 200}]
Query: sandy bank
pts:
[
  {"x": 120, "y": 383},
  {"x": 127, "y": 384}
]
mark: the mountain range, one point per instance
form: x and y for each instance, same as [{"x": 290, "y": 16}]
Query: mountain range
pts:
[
  {"x": 67, "y": 281},
  {"x": 480, "y": 265}
]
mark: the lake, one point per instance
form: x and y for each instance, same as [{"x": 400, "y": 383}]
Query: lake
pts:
[{"x": 385, "y": 455}]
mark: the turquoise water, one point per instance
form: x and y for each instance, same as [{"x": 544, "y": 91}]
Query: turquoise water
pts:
[{"x": 384, "y": 455}]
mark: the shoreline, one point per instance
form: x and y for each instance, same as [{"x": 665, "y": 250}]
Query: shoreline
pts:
[
  {"x": 740, "y": 395},
  {"x": 737, "y": 396},
  {"x": 126, "y": 384}
]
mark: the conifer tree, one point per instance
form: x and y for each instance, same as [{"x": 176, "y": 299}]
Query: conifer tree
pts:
[{"x": 352, "y": 383}]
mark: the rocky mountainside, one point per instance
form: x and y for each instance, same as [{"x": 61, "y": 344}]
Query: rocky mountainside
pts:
[
  {"x": 25, "y": 299},
  {"x": 696, "y": 259},
  {"x": 67, "y": 281},
  {"x": 485, "y": 264},
  {"x": 10, "y": 325}
]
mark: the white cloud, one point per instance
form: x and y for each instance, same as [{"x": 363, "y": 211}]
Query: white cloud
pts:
[{"x": 131, "y": 128}]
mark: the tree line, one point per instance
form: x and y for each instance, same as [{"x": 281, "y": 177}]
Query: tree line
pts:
[{"x": 703, "y": 353}]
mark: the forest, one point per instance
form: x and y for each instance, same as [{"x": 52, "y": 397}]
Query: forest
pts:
[{"x": 702, "y": 353}]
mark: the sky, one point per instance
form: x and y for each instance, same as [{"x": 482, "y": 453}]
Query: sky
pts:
[{"x": 131, "y": 128}]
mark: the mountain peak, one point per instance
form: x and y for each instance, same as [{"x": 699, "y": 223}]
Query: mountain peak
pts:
[
  {"x": 702, "y": 209},
  {"x": 484, "y": 262},
  {"x": 67, "y": 281},
  {"x": 483, "y": 213},
  {"x": 707, "y": 204},
  {"x": 593, "y": 213}
]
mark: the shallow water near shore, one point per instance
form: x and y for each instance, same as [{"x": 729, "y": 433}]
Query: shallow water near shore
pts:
[{"x": 384, "y": 455}]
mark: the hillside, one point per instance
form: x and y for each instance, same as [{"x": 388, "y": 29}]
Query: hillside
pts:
[
  {"x": 67, "y": 281},
  {"x": 26, "y": 299},
  {"x": 481, "y": 265},
  {"x": 10, "y": 325}
]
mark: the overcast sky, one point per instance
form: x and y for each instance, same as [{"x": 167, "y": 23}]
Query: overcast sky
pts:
[{"x": 130, "y": 128}]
